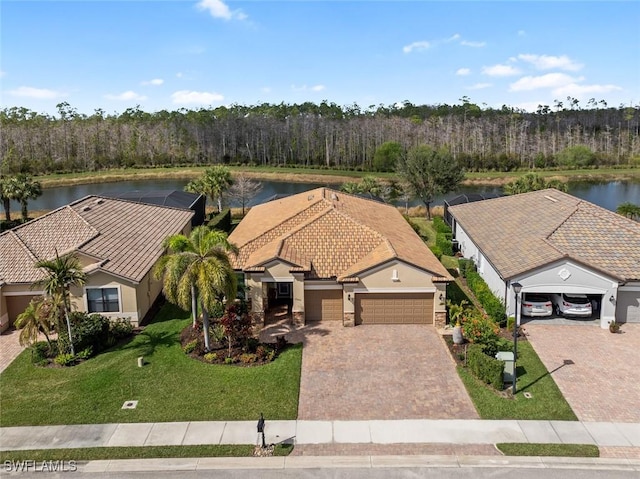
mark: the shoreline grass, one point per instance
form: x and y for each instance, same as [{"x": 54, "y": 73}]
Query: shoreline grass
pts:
[
  {"x": 170, "y": 387},
  {"x": 317, "y": 175}
]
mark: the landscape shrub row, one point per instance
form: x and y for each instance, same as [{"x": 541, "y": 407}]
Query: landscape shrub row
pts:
[
  {"x": 443, "y": 236},
  {"x": 465, "y": 265},
  {"x": 221, "y": 221},
  {"x": 486, "y": 368},
  {"x": 490, "y": 302}
]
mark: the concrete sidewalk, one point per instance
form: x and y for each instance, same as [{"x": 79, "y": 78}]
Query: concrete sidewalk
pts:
[{"x": 321, "y": 432}]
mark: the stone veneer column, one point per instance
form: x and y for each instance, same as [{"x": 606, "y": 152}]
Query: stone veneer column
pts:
[
  {"x": 440, "y": 319},
  {"x": 298, "y": 318},
  {"x": 257, "y": 321},
  {"x": 349, "y": 320}
]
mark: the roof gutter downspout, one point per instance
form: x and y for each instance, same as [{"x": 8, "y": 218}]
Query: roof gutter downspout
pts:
[{"x": 506, "y": 298}]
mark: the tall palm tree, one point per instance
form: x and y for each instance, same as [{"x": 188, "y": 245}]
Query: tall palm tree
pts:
[
  {"x": 26, "y": 189},
  {"x": 35, "y": 319},
  {"x": 8, "y": 192},
  {"x": 62, "y": 273},
  {"x": 213, "y": 183},
  {"x": 198, "y": 266}
]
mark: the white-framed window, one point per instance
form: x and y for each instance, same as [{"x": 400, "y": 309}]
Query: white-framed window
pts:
[{"x": 103, "y": 300}]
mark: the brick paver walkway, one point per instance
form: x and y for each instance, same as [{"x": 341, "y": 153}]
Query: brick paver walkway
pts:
[
  {"x": 9, "y": 348},
  {"x": 378, "y": 372},
  {"x": 603, "y": 383}
]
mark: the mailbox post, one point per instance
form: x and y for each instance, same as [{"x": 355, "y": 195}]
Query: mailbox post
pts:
[{"x": 261, "y": 430}]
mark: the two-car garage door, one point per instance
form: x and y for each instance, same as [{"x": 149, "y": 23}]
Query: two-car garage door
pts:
[{"x": 394, "y": 308}]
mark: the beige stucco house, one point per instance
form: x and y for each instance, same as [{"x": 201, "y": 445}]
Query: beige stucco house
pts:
[
  {"x": 117, "y": 242},
  {"x": 331, "y": 256}
]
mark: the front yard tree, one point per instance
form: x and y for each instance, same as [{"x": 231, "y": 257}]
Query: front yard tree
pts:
[
  {"x": 429, "y": 172},
  {"x": 62, "y": 272},
  {"x": 35, "y": 319},
  {"x": 198, "y": 266},
  {"x": 244, "y": 189}
]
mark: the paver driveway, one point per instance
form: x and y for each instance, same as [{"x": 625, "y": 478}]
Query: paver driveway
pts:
[
  {"x": 378, "y": 372},
  {"x": 603, "y": 383}
]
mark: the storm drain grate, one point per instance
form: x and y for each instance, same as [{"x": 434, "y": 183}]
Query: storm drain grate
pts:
[{"x": 129, "y": 404}]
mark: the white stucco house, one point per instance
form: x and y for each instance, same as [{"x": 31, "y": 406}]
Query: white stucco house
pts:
[{"x": 552, "y": 242}]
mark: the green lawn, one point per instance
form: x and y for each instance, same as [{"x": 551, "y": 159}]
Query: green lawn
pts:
[
  {"x": 146, "y": 452},
  {"x": 546, "y": 403},
  {"x": 564, "y": 450},
  {"x": 170, "y": 387}
]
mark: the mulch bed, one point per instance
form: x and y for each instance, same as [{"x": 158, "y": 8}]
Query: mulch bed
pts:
[{"x": 249, "y": 353}]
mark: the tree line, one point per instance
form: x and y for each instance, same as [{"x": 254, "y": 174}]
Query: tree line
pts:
[{"x": 321, "y": 135}]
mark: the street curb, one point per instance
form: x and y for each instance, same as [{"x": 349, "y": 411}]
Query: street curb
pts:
[{"x": 359, "y": 462}]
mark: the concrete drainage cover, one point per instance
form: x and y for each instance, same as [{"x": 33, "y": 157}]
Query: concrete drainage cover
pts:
[{"x": 129, "y": 404}]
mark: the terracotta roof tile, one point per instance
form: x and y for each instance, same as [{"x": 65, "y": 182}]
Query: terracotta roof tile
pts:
[
  {"x": 126, "y": 237},
  {"x": 339, "y": 235},
  {"x": 522, "y": 232}
]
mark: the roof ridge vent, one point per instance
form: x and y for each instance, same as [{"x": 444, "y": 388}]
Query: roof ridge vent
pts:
[
  {"x": 86, "y": 208},
  {"x": 99, "y": 201},
  {"x": 551, "y": 198}
]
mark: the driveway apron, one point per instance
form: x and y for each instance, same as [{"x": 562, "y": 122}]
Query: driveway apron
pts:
[
  {"x": 597, "y": 372},
  {"x": 379, "y": 372}
]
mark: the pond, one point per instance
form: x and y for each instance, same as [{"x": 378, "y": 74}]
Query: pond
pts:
[{"x": 608, "y": 194}]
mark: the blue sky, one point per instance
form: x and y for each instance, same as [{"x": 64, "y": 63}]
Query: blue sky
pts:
[{"x": 191, "y": 54}]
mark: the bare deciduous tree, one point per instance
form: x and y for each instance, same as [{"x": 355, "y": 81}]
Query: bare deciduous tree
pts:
[{"x": 244, "y": 189}]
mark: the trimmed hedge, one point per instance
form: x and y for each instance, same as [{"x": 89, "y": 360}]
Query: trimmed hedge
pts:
[
  {"x": 491, "y": 304},
  {"x": 221, "y": 221},
  {"x": 487, "y": 369},
  {"x": 465, "y": 265},
  {"x": 443, "y": 236}
]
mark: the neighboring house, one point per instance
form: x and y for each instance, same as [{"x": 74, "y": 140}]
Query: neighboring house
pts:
[
  {"x": 172, "y": 198},
  {"x": 331, "y": 256},
  {"x": 552, "y": 242},
  {"x": 117, "y": 242}
]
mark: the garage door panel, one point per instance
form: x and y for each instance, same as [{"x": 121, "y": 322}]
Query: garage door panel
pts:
[
  {"x": 628, "y": 307},
  {"x": 323, "y": 305},
  {"x": 394, "y": 308}
]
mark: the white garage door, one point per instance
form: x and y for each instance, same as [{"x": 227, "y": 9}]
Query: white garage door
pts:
[{"x": 628, "y": 307}]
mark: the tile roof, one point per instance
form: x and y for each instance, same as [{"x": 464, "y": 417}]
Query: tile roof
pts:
[
  {"x": 523, "y": 232},
  {"x": 329, "y": 234},
  {"x": 124, "y": 237}
]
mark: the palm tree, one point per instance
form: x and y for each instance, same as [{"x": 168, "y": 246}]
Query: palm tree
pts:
[
  {"x": 26, "y": 189},
  {"x": 8, "y": 192},
  {"x": 213, "y": 183},
  {"x": 629, "y": 210},
  {"x": 35, "y": 319},
  {"x": 198, "y": 266},
  {"x": 62, "y": 273}
]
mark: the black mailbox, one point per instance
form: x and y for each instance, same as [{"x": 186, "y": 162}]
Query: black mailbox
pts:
[{"x": 261, "y": 423}]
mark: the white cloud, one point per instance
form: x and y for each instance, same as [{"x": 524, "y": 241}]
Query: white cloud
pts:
[
  {"x": 417, "y": 46},
  {"x": 39, "y": 93},
  {"x": 462, "y": 72},
  {"x": 179, "y": 75},
  {"x": 154, "y": 82},
  {"x": 454, "y": 37},
  {"x": 218, "y": 9},
  {"x": 550, "y": 80},
  {"x": 126, "y": 96},
  {"x": 479, "y": 86},
  {"x": 467, "y": 43},
  {"x": 521, "y": 33},
  {"x": 530, "y": 106},
  {"x": 500, "y": 70},
  {"x": 308, "y": 88},
  {"x": 183, "y": 97},
  {"x": 549, "y": 62},
  {"x": 575, "y": 90}
]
